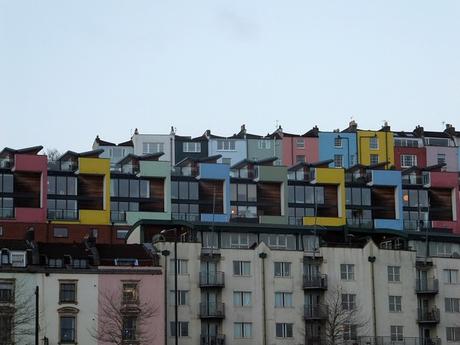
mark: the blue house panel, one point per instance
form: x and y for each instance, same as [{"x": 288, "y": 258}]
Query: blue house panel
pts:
[
  {"x": 390, "y": 178},
  {"x": 211, "y": 171},
  {"x": 348, "y": 148},
  {"x": 229, "y": 156}
]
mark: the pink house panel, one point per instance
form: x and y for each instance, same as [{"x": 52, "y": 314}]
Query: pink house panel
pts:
[
  {"x": 292, "y": 147},
  {"x": 448, "y": 180}
]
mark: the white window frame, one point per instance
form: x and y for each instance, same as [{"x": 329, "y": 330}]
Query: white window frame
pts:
[
  {"x": 287, "y": 330},
  {"x": 448, "y": 274},
  {"x": 300, "y": 143},
  {"x": 242, "y": 298},
  {"x": 452, "y": 304},
  {"x": 338, "y": 161},
  {"x": 182, "y": 265},
  {"x": 183, "y": 297},
  {"x": 348, "y": 301},
  {"x": 152, "y": 147},
  {"x": 412, "y": 158},
  {"x": 226, "y": 145},
  {"x": 372, "y": 156},
  {"x": 338, "y": 142},
  {"x": 396, "y": 333},
  {"x": 264, "y": 144},
  {"x": 285, "y": 299},
  {"x": 239, "y": 240},
  {"x": 285, "y": 269},
  {"x": 395, "y": 304},
  {"x": 394, "y": 274},
  {"x": 347, "y": 271},
  {"x": 374, "y": 143},
  {"x": 453, "y": 334},
  {"x": 244, "y": 268},
  {"x": 22, "y": 256},
  {"x": 191, "y": 146},
  {"x": 242, "y": 330}
]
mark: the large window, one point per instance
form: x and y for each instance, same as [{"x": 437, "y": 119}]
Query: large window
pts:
[
  {"x": 408, "y": 161},
  {"x": 395, "y": 304},
  {"x": 358, "y": 196},
  {"x": 242, "y": 329},
  {"x": 182, "y": 329},
  {"x": 394, "y": 274},
  {"x": 62, "y": 209},
  {"x": 225, "y": 145},
  {"x": 347, "y": 272},
  {"x": 184, "y": 190},
  {"x": 348, "y": 301},
  {"x": 6, "y": 183},
  {"x": 67, "y": 327},
  {"x": 241, "y": 268},
  {"x": 452, "y": 305},
  {"x": 67, "y": 292},
  {"x": 243, "y": 192},
  {"x": 129, "y": 188},
  {"x": 284, "y": 330},
  {"x": 283, "y": 299},
  {"x": 301, "y": 194},
  {"x": 152, "y": 148},
  {"x": 406, "y": 142},
  {"x": 264, "y": 144},
  {"x": 453, "y": 333},
  {"x": 242, "y": 298},
  {"x": 62, "y": 185},
  {"x": 396, "y": 333},
  {"x": 450, "y": 276},
  {"x": 282, "y": 269},
  {"x": 6, "y": 208},
  {"x": 415, "y": 198},
  {"x": 192, "y": 147}
]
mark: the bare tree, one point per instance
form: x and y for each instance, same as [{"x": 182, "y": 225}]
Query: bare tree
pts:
[
  {"x": 122, "y": 320},
  {"x": 53, "y": 154},
  {"x": 16, "y": 314},
  {"x": 342, "y": 319}
]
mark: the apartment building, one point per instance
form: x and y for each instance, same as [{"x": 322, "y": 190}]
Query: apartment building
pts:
[{"x": 85, "y": 293}]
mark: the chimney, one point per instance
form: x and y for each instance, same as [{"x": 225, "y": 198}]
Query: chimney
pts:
[
  {"x": 207, "y": 133},
  {"x": 315, "y": 130},
  {"x": 136, "y": 131},
  {"x": 419, "y": 131},
  {"x": 450, "y": 129},
  {"x": 173, "y": 131},
  {"x": 337, "y": 130},
  {"x": 243, "y": 129},
  {"x": 352, "y": 126},
  {"x": 386, "y": 127}
]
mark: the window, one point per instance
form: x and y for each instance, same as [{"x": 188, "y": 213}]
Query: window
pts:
[
  {"x": 395, "y": 303},
  {"x": 130, "y": 293},
  {"x": 182, "y": 328},
  {"x": 348, "y": 301},
  {"x": 450, "y": 276},
  {"x": 436, "y": 142},
  {"x": 241, "y": 268},
  {"x": 282, "y": 269},
  {"x": 408, "y": 161},
  {"x": 452, "y": 305},
  {"x": 62, "y": 185},
  {"x": 1, "y": 231},
  {"x": 441, "y": 158},
  {"x": 283, "y": 299},
  {"x": 60, "y": 232},
  {"x": 130, "y": 188},
  {"x": 18, "y": 259},
  {"x": 453, "y": 333},
  {"x": 6, "y": 183},
  {"x": 394, "y": 273},
  {"x": 350, "y": 332},
  {"x": 182, "y": 266},
  {"x": 406, "y": 142},
  {"x": 67, "y": 327},
  {"x": 239, "y": 240},
  {"x": 284, "y": 330},
  {"x": 347, "y": 272},
  {"x": 374, "y": 143},
  {"x": 227, "y": 161},
  {"x": 242, "y": 298},
  {"x": 67, "y": 292},
  {"x": 6, "y": 329},
  {"x": 55, "y": 263},
  {"x": 6, "y": 292},
  {"x": 300, "y": 158},
  {"x": 152, "y": 147},
  {"x": 225, "y": 145},
  {"x": 242, "y": 329},
  {"x": 264, "y": 144},
  {"x": 396, "y": 333},
  {"x": 129, "y": 328},
  {"x": 182, "y": 297},
  {"x": 79, "y": 263},
  {"x": 337, "y": 142},
  {"x": 191, "y": 147},
  {"x": 122, "y": 233},
  {"x": 374, "y": 159},
  {"x": 338, "y": 161},
  {"x": 300, "y": 143}
]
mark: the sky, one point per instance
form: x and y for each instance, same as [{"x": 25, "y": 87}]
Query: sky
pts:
[{"x": 71, "y": 70}]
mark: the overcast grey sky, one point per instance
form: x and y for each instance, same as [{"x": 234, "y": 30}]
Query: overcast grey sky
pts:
[{"x": 72, "y": 69}]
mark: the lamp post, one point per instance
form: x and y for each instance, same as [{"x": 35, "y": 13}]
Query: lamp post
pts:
[{"x": 176, "y": 325}]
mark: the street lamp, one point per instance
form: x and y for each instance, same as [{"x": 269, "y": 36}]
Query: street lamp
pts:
[{"x": 176, "y": 326}]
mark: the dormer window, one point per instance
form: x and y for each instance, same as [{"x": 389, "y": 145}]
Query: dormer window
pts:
[
  {"x": 79, "y": 263},
  {"x": 191, "y": 147},
  {"x": 126, "y": 262},
  {"x": 55, "y": 263},
  {"x": 5, "y": 259},
  {"x": 18, "y": 259},
  {"x": 225, "y": 145}
]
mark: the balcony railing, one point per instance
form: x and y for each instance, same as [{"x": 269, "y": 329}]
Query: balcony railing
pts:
[
  {"x": 428, "y": 316},
  {"x": 6, "y": 212},
  {"x": 316, "y": 312},
  {"x": 210, "y": 310},
  {"x": 191, "y": 217},
  {"x": 315, "y": 282},
  {"x": 118, "y": 216},
  {"x": 63, "y": 214},
  {"x": 417, "y": 225},
  {"x": 212, "y": 339},
  {"x": 388, "y": 340},
  {"x": 362, "y": 223},
  {"x": 212, "y": 279},
  {"x": 426, "y": 286}
]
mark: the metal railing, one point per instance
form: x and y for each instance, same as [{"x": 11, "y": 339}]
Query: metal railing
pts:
[
  {"x": 315, "y": 281},
  {"x": 316, "y": 312},
  {"x": 428, "y": 315},
  {"x": 429, "y": 285},
  {"x": 191, "y": 217},
  {"x": 212, "y": 310},
  {"x": 212, "y": 279},
  {"x": 388, "y": 340},
  {"x": 212, "y": 339},
  {"x": 62, "y": 214}
]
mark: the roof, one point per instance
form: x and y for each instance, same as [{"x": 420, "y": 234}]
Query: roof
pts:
[
  {"x": 91, "y": 154},
  {"x": 127, "y": 143},
  {"x": 101, "y": 142},
  {"x": 123, "y": 251},
  {"x": 318, "y": 164},
  {"x": 433, "y": 134},
  {"x": 404, "y": 135},
  {"x": 147, "y": 157},
  {"x": 371, "y": 167},
  {"x": 210, "y": 159},
  {"x": 312, "y": 132},
  {"x": 58, "y": 250},
  {"x": 14, "y": 244},
  {"x": 28, "y": 150},
  {"x": 428, "y": 168},
  {"x": 189, "y": 138},
  {"x": 244, "y": 162}
]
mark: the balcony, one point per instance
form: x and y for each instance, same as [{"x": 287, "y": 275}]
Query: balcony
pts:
[
  {"x": 431, "y": 316},
  {"x": 212, "y": 279},
  {"x": 361, "y": 223},
  {"x": 417, "y": 180},
  {"x": 212, "y": 339},
  {"x": 212, "y": 310},
  {"x": 62, "y": 214},
  {"x": 381, "y": 340},
  {"x": 315, "y": 282},
  {"x": 191, "y": 217},
  {"x": 417, "y": 225},
  {"x": 426, "y": 286},
  {"x": 317, "y": 312},
  {"x": 7, "y": 213}
]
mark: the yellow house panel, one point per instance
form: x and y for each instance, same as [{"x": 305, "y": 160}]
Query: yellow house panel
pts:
[
  {"x": 334, "y": 177},
  {"x": 95, "y": 217},
  {"x": 384, "y": 150}
]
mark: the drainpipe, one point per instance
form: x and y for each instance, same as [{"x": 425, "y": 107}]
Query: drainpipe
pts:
[
  {"x": 37, "y": 313},
  {"x": 372, "y": 259},
  {"x": 264, "y": 312},
  {"x": 166, "y": 253}
]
